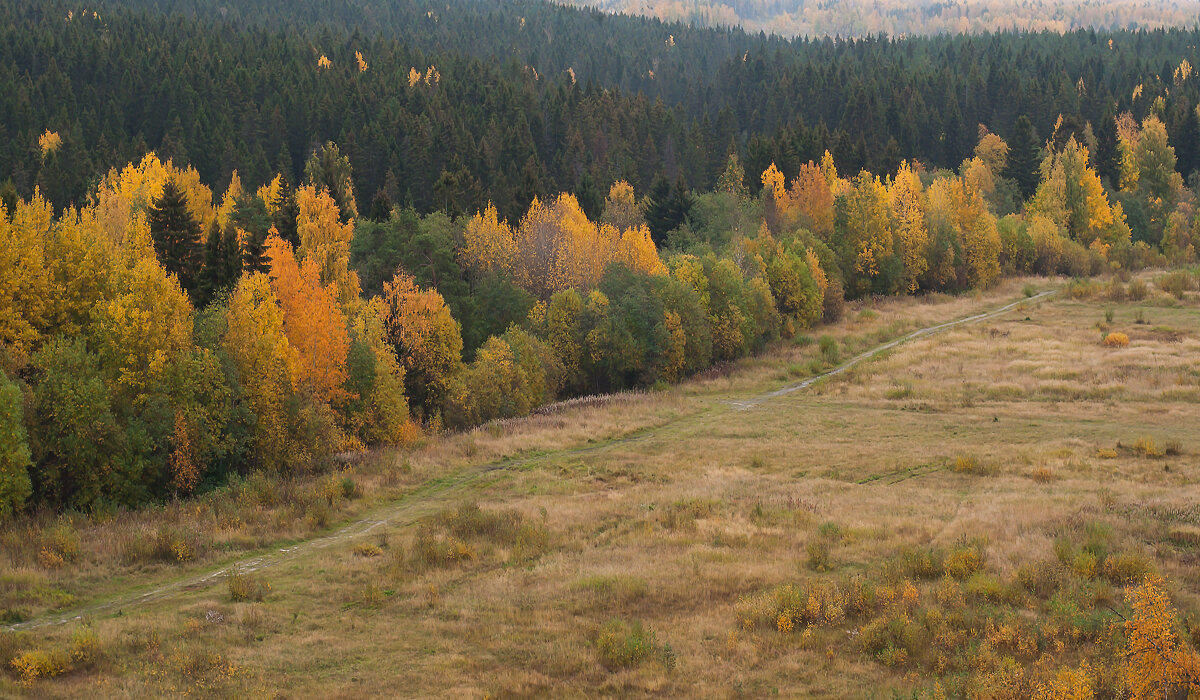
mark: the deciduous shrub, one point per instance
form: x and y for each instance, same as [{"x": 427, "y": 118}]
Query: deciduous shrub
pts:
[
  {"x": 1116, "y": 339},
  {"x": 245, "y": 586},
  {"x": 622, "y": 645},
  {"x": 38, "y": 663}
]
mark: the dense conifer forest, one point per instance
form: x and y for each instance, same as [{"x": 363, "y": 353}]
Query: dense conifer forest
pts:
[{"x": 472, "y": 102}]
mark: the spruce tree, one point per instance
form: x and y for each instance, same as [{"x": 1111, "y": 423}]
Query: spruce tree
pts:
[
  {"x": 1023, "y": 163},
  {"x": 733, "y": 179},
  {"x": 213, "y": 274},
  {"x": 250, "y": 215},
  {"x": 327, "y": 168},
  {"x": 667, "y": 208},
  {"x": 176, "y": 235},
  {"x": 284, "y": 218},
  {"x": 1107, "y": 158},
  {"x": 658, "y": 209},
  {"x": 254, "y": 253},
  {"x": 231, "y": 255},
  {"x": 381, "y": 207}
]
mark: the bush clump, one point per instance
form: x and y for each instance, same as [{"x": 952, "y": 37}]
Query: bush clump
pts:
[
  {"x": 621, "y": 645},
  {"x": 244, "y": 586},
  {"x": 1116, "y": 339}
]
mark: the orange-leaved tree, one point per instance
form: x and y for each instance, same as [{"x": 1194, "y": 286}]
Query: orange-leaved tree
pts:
[
  {"x": 427, "y": 339},
  {"x": 1157, "y": 664},
  {"x": 312, "y": 321}
]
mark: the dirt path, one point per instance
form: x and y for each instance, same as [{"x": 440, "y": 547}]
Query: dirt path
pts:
[
  {"x": 861, "y": 357},
  {"x": 421, "y": 502}
]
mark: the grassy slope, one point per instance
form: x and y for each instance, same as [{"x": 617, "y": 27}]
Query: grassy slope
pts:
[{"x": 668, "y": 508}]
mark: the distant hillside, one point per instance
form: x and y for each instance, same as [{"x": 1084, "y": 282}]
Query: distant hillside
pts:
[{"x": 857, "y": 18}]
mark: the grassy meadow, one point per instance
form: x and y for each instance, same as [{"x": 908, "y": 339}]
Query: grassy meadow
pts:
[{"x": 957, "y": 516}]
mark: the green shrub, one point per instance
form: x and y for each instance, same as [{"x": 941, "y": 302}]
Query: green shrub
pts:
[
  {"x": 622, "y": 645},
  {"x": 1177, "y": 283},
  {"x": 85, "y": 645},
  {"x": 818, "y": 556},
  {"x": 921, "y": 562},
  {"x": 829, "y": 349},
  {"x": 1040, "y": 578},
  {"x": 430, "y": 550},
  {"x": 166, "y": 544}
]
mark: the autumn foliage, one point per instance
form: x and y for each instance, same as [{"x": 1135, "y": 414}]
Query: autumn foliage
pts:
[
  {"x": 156, "y": 341},
  {"x": 1158, "y": 663},
  {"x": 555, "y": 247}
]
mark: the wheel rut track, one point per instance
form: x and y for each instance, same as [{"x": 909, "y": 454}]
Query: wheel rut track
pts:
[{"x": 417, "y": 504}]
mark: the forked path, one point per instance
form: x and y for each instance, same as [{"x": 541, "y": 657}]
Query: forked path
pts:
[{"x": 420, "y": 503}]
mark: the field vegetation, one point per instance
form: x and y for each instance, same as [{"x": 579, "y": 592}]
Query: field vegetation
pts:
[{"x": 1003, "y": 509}]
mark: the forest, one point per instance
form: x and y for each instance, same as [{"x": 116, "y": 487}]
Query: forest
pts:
[
  {"x": 500, "y": 102},
  {"x": 159, "y": 340},
  {"x": 856, "y": 18},
  {"x": 468, "y": 239},
  {"x": 852, "y": 353}
]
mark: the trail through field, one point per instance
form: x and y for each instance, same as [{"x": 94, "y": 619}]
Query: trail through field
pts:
[
  {"x": 433, "y": 495},
  {"x": 915, "y": 335}
]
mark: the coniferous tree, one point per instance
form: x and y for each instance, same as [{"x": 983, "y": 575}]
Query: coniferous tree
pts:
[
  {"x": 1023, "y": 162},
  {"x": 254, "y": 253},
  {"x": 232, "y": 260},
  {"x": 213, "y": 274},
  {"x": 381, "y": 207},
  {"x": 9, "y": 197},
  {"x": 591, "y": 200},
  {"x": 176, "y": 235},
  {"x": 1108, "y": 164},
  {"x": 250, "y": 215},
  {"x": 681, "y": 203},
  {"x": 328, "y": 169},
  {"x": 658, "y": 209},
  {"x": 733, "y": 178},
  {"x": 284, "y": 218}
]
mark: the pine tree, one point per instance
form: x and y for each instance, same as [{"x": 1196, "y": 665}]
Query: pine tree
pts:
[
  {"x": 250, "y": 215},
  {"x": 381, "y": 207},
  {"x": 1108, "y": 163},
  {"x": 681, "y": 203},
  {"x": 176, "y": 235},
  {"x": 328, "y": 169},
  {"x": 231, "y": 256},
  {"x": 213, "y": 275},
  {"x": 1023, "y": 159},
  {"x": 659, "y": 216},
  {"x": 285, "y": 216},
  {"x": 733, "y": 178}
]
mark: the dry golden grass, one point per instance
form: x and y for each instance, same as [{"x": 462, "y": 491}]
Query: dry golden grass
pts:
[{"x": 674, "y": 544}]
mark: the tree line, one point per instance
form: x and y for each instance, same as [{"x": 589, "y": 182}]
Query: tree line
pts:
[{"x": 160, "y": 340}]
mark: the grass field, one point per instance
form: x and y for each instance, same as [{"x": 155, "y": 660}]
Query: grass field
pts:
[{"x": 956, "y": 515}]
